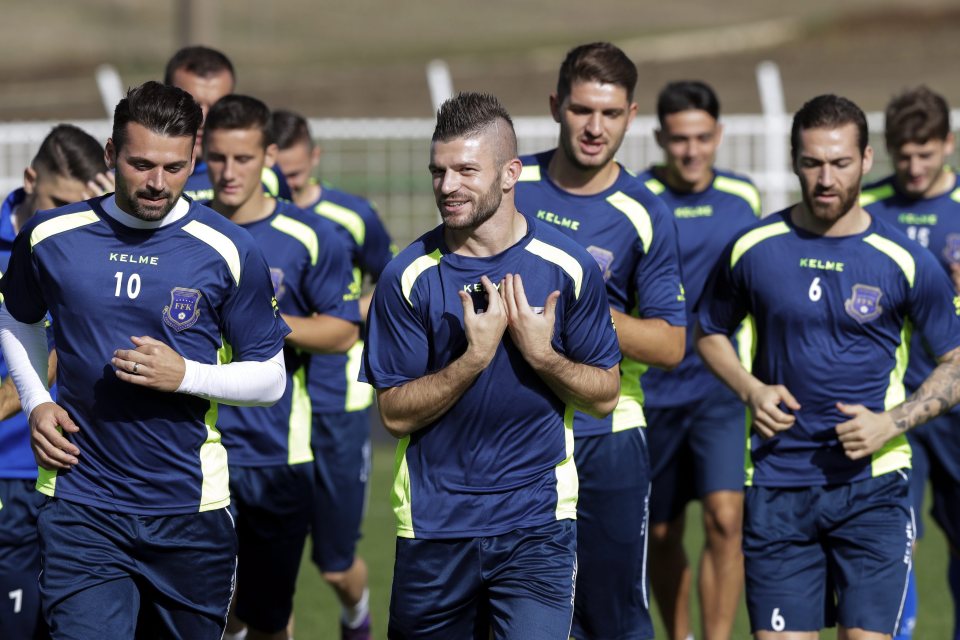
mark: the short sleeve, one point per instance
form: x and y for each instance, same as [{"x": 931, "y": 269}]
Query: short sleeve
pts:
[
  {"x": 328, "y": 284},
  {"x": 250, "y": 319},
  {"x": 722, "y": 306},
  {"x": 20, "y": 285},
  {"x": 658, "y": 277},
  {"x": 377, "y": 249},
  {"x": 396, "y": 347},
  {"x": 935, "y": 306},
  {"x": 587, "y": 335}
]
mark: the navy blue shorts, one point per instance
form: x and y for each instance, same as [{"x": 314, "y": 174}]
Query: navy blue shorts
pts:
[
  {"x": 20, "y": 616},
  {"x": 341, "y": 451},
  {"x": 818, "y": 556},
  {"x": 695, "y": 449},
  {"x": 936, "y": 456},
  {"x": 516, "y": 585},
  {"x": 272, "y": 506},
  {"x": 103, "y": 570},
  {"x": 612, "y": 597}
]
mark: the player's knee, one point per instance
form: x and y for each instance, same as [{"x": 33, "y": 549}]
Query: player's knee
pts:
[
  {"x": 724, "y": 522},
  {"x": 666, "y": 534},
  {"x": 336, "y": 579}
]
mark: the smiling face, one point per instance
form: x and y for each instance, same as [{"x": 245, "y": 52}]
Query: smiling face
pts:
[
  {"x": 469, "y": 179},
  {"x": 593, "y": 119},
  {"x": 689, "y": 140},
  {"x": 151, "y": 170},
  {"x": 830, "y": 168}
]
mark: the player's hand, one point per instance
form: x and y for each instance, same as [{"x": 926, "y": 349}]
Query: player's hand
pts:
[
  {"x": 866, "y": 432},
  {"x": 532, "y": 332},
  {"x": 50, "y": 449},
  {"x": 768, "y": 418},
  {"x": 152, "y": 364},
  {"x": 485, "y": 329},
  {"x": 955, "y": 276},
  {"x": 102, "y": 183}
]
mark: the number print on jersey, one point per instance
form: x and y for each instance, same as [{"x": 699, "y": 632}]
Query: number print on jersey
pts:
[
  {"x": 17, "y": 596},
  {"x": 920, "y": 234},
  {"x": 776, "y": 620},
  {"x": 815, "y": 292},
  {"x": 133, "y": 285}
]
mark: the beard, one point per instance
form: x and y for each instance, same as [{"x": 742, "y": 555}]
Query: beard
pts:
[
  {"x": 831, "y": 212},
  {"x": 484, "y": 207},
  {"x": 131, "y": 203}
]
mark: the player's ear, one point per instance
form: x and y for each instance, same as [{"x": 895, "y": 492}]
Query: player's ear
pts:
[
  {"x": 315, "y": 155},
  {"x": 555, "y": 107},
  {"x": 719, "y": 134},
  {"x": 867, "y": 160},
  {"x": 660, "y": 137},
  {"x": 511, "y": 173},
  {"x": 29, "y": 180},
  {"x": 270, "y": 156},
  {"x": 949, "y": 144},
  {"x": 110, "y": 154}
]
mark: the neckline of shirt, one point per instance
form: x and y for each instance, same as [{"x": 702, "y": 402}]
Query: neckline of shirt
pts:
[{"x": 110, "y": 207}]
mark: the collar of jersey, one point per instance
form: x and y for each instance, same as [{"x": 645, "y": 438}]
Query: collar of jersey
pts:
[{"x": 110, "y": 207}]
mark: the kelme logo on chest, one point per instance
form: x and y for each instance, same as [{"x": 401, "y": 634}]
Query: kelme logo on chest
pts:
[
  {"x": 183, "y": 310},
  {"x": 864, "y": 303}
]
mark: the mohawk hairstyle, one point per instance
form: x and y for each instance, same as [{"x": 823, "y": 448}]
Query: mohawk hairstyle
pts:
[{"x": 468, "y": 114}]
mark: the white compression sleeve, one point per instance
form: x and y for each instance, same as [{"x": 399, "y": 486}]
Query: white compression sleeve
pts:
[
  {"x": 25, "y": 351},
  {"x": 245, "y": 384}
]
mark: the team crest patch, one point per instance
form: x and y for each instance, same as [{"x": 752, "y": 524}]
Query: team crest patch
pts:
[
  {"x": 604, "y": 258},
  {"x": 951, "y": 251},
  {"x": 183, "y": 310},
  {"x": 864, "y": 303},
  {"x": 276, "y": 277}
]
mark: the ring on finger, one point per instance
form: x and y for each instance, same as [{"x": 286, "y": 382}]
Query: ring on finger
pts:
[{"x": 136, "y": 365}]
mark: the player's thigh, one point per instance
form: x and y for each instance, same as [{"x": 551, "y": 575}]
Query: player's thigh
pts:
[
  {"x": 785, "y": 565},
  {"x": 438, "y": 591},
  {"x": 869, "y": 547},
  {"x": 19, "y": 560},
  {"x": 671, "y": 465},
  {"x": 611, "y": 598},
  {"x": 87, "y": 586},
  {"x": 187, "y": 565},
  {"x": 342, "y": 458},
  {"x": 273, "y": 507},
  {"x": 530, "y": 575},
  {"x": 717, "y": 443}
]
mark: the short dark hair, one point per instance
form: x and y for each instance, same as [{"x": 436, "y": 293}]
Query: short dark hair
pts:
[
  {"x": 828, "y": 111},
  {"x": 598, "y": 61},
  {"x": 686, "y": 95},
  {"x": 239, "y": 112},
  {"x": 70, "y": 152},
  {"x": 163, "y": 109},
  {"x": 288, "y": 128},
  {"x": 916, "y": 115},
  {"x": 200, "y": 61},
  {"x": 468, "y": 114}
]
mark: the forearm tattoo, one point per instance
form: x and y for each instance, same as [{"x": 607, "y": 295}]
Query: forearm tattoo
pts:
[{"x": 938, "y": 393}]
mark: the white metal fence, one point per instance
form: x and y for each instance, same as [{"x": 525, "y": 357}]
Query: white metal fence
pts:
[{"x": 386, "y": 160}]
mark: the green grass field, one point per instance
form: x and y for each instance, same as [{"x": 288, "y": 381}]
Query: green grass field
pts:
[{"x": 317, "y": 611}]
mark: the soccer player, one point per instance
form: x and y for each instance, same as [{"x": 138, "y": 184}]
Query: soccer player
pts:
[
  {"x": 923, "y": 200},
  {"x": 580, "y": 189},
  {"x": 208, "y": 75},
  {"x": 271, "y": 478},
  {"x": 833, "y": 292},
  {"x": 484, "y": 336},
  {"x": 68, "y": 167},
  {"x": 694, "y": 424},
  {"x": 137, "y": 520},
  {"x": 341, "y": 421}
]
